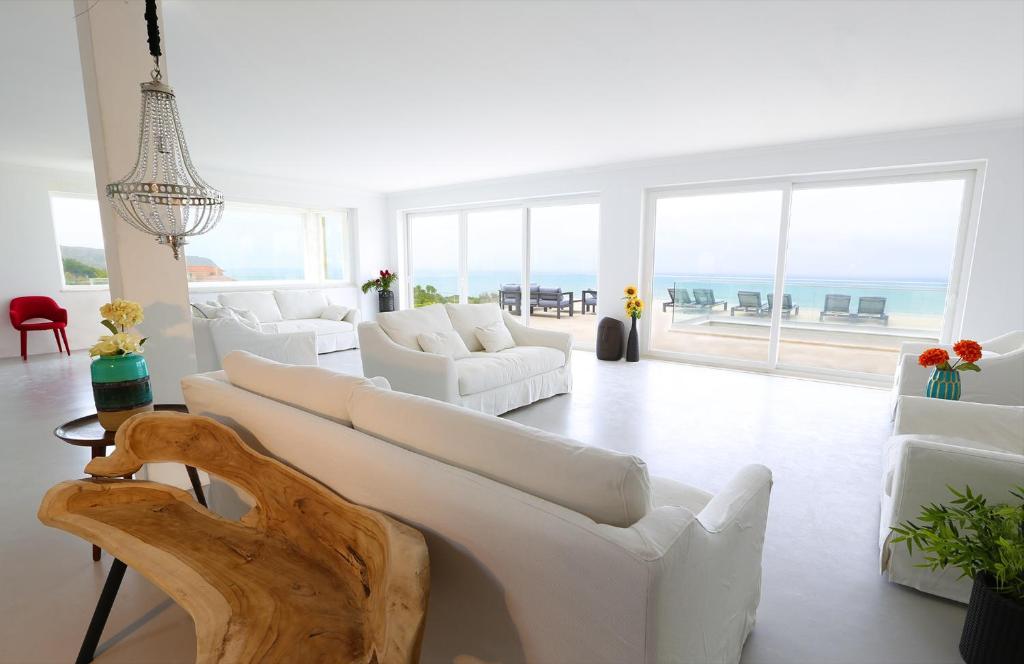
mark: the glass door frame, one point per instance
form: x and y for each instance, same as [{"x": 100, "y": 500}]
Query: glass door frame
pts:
[{"x": 971, "y": 173}]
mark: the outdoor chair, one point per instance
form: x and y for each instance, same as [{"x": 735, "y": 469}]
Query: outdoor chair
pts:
[
  {"x": 589, "y": 299},
  {"x": 835, "y": 305},
  {"x": 872, "y": 307},
  {"x": 705, "y": 298},
  {"x": 749, "y": 302},
  {"x": 677, "y": 297},
  {"x": 787, "y": 305},
  {"x": 512, "y": 298},
  {"x": 555, "y": 298}
]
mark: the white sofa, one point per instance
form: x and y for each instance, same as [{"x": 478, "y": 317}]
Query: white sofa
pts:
[
  {"x": 217, "y": 337},
  {"x": 936, "y": 443},
  {"x": 292, "y": 310},
  {"x": 536, "y": 368},
  {"x": 541, "y": 549},
  {"x": 1001, "y": 380}
]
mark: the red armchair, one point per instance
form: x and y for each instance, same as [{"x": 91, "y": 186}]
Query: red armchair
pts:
[{"x": 33, "y": 307}]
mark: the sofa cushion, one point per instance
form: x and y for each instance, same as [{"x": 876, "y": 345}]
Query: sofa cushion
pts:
[
  {"x": 295, "y": 304},
  {"x": 443, "y": 343},
  {"x": 466, "y": 318},
  {"x": 495, "y": 337},
  {"x": 485, "y": 371},
  {"x": 335, "y": 312},
  {"x": 312, "y": 389},
  {"x": 261, "y": 304},
  {"x": 608, "y": 487},
  {"x": 404, "y": 326}
]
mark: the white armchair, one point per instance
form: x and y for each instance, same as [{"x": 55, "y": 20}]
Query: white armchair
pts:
[
  {"x": 1001, "y": 380},
  {"x": 935, "y": 444},
  {"x": 216, "y": 337}
]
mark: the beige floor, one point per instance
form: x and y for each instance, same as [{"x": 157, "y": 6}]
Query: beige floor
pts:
[{"x": 823, "y": 601}]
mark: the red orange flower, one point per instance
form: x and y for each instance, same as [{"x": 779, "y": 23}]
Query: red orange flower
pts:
[
  {"x": 933, "y": 357},
  {"x": 968, "y": 350}
]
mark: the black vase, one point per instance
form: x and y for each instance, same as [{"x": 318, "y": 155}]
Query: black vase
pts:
[
  {"x": 633, "y": 344},
  {"x": 994, "y": 627},
  {"x": 610, "y": 333},
  {"x": 385, "y": 301}
]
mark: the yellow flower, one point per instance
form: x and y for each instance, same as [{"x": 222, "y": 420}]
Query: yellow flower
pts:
[
  {"x": 122, "y": 313},
  {"x": 116, "y": 344},
  {"x": 630, "y": 291},
  {"x": 638, "y": 303},
  {"x": 105, "y": 346}
]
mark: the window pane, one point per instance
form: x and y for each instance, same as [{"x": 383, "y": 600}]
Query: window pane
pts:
[
  {"x": 714, "y": 269},
  {"x": 563, "y": 269},
  {"x": 868, "y": 266},
  {"x": 495, "y": 253},
  {"x": 334, "y": 231},
  {"x": 434, "y": 258},
  {"x": 251, "y": 243},
  {"x": 76, "y": 220}
]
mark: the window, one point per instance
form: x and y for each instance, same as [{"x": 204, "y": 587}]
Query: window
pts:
[
  {"x": 76, "y": 220},
  {"x": 866, "y": 263},
  {"x": 433, "y": 258},
  {"x": 334, "y": 230}
]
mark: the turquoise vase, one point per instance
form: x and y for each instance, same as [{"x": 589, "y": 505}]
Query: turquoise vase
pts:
[
  {"x": 944, "y": 384},
  {"x": 120, "y": 387}
]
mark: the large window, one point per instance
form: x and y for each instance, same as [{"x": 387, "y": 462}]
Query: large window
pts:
[
  {"x": 865, "y": 264},
  {"x": 434, "y": 258},
  {"x": 76, "y": 220}
]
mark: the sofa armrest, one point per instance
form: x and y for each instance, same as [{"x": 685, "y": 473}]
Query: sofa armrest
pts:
[
  {"x": 407, "y": 370},
  {"x": 298, "y": 347},
  {"x": 352, "y": 317},
  {"x": 528, "y": 336},
  {"x": 1002, "y": 426}
]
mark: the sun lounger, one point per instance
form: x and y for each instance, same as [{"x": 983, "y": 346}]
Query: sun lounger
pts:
[
  {"x": 837, "y": 306},
  {"x": 873, "y": 308},
  {"x": 787, "y": 305},
  {"x": 705, "y": 298},
  {"x": 749, "y": 302}
]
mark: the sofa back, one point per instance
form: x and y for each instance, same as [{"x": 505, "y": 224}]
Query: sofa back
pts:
[{"x": 404, "y": 326}]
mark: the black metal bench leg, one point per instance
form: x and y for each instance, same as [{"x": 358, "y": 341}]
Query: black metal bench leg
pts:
[
  {"x": 102, "y": 612},
  {"x": 197, "y": 487}
]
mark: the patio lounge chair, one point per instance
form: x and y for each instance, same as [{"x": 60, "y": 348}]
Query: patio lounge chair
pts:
[
  {"x": 787, "y": 305},
  {"x": 750, "y": 303},
  {"x": 835, "y": 305},
  {"x": 554, "y": 298},
  {"x": 705, "y": 298},
  {"x": 677, "y": 297},
  {"x": 589, "y": 300},
  {"x": 512, "y": 298},
  {"x": 872, "y": 307}
]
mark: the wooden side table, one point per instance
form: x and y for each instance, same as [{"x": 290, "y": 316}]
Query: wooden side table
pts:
[{"x": 87, "y": 432}]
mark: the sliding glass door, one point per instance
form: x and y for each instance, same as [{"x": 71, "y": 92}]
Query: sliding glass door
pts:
[
  {"x": 865, "y": 264},
  {"x": 433, "y": 256},
  {"x": 494, "y": 253}
]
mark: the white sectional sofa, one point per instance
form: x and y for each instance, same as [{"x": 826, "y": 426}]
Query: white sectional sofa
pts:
[
  {"x": 281, "y": 311},
  {"x": 537, "y": 367},
  {"x": 215, "y": 338},
  {"x": 938, "y": 443},
  {"x": 541, "y": 549}
]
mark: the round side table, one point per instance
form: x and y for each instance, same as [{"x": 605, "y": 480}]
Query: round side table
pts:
[{"x": 87, "y": 432}]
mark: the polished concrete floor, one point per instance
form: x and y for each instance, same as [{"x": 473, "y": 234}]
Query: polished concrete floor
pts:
[{"x": 823, "y": 600}]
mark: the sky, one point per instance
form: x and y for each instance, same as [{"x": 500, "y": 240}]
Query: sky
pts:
[
  {"x": 251, "y": 237},
  {"x": 76, "y": 220}
]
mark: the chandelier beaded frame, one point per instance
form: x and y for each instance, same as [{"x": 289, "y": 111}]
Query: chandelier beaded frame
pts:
[{"x": 163, "y": 195}]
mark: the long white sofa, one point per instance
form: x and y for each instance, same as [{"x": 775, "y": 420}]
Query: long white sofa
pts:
[
  {"x": 541, "y": 549},
  {"x": 537, "y": 367}
]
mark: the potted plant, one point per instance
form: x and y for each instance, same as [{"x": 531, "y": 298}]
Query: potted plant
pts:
[
  {"x": 634, "y": 309},
  {"x": 120, "y": 377},
  {"x": 382, "y": 284},
  {"x": 945, "y": 379},
  {"x": 986, "y": 542}
]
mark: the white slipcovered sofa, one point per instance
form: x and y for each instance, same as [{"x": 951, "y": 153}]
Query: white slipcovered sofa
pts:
[
  {"x": 1001, "y": 380},
  {"x": 537, "y": 367},
  {"x": 332, "y": 321},
  {"x": 541, "y": 549},
  {"x": 215, "y": 338},
  {"x": 938, "y": 443}
]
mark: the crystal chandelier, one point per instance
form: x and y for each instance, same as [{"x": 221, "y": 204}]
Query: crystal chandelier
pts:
[{"x": 164, "y": 195}]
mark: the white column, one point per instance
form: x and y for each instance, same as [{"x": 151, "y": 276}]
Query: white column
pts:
[{"x": 115, "y": 60}]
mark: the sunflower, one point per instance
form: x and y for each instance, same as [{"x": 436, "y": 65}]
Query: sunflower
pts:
[{"x": 630, "y": 291}]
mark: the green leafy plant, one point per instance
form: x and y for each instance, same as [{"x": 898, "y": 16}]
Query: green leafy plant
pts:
[
  {"x": 974, "y": 536},
  {"x": 381, "y": 283}
]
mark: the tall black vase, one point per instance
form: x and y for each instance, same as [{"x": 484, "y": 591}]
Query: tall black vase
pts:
[
  {"x": 994, "y": 626},
  {"x": 385, "y": 301},
  {"x": 633, "y": 344}
]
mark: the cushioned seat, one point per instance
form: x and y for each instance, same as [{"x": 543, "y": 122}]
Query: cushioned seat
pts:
[{"x": 486, "y": 371}]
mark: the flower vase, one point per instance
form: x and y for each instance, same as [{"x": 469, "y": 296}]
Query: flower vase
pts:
[
  {"x": 633, "y": 344},
  {"x": 944, "y": 384},
  {"x": 120, "y": 387},
  {"x": 385, "y": 301}
]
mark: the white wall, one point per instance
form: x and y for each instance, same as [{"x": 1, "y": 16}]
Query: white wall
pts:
[
  {"x": 29, "y": 262},
  {"x": 995, "y": 295}
]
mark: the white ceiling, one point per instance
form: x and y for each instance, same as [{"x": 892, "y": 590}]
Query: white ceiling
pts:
[{"x": 396, "y": 95}]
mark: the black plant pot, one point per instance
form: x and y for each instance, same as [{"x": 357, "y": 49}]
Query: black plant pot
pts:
[
  {"x": 385, "y": 301},
  {"x": 994, "y": 627},
  {"x": 610, "y": 337},
  {"x": 633, "y": 344}
]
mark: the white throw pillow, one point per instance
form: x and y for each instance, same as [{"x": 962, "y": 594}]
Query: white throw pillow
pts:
[
  {"x": 247, "y": 317},
  {"x": 208, "y": 309},
  {"x": 444, "y": 343},
  {"x": 495, "y": 337},
  {"x": 335, "y": 312},
  {"x": 403, "y": 326},
  {"x": 467, "y": 317},
  {"x": 260, "y": 303},
  {"x": 297, "y": 304}
]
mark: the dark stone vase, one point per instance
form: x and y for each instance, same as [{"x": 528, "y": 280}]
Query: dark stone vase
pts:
[
  {"x": 994, "y": 626},
  {"x": 633, "y": 344},
  {"x": 385, "y": 301},
  {"x": 610, "y": 337}
]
